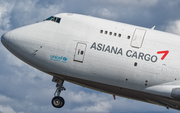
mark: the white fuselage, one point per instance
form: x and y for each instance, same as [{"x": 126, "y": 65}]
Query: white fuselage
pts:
[{"x": 104, "y": 55}]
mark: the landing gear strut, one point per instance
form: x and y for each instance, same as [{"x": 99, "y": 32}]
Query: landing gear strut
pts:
[{"x": 58, "y": 101}]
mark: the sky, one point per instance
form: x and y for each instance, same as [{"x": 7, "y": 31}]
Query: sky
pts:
[{"x": 24, "y": 89}]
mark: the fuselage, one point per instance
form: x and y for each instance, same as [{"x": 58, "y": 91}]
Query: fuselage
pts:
[{"x": 108, "y": 56}]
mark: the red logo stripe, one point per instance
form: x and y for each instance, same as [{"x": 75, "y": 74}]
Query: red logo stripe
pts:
[{"x": 163, "y": 52}]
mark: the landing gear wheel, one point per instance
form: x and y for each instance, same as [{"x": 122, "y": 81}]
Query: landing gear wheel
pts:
[{"x": 58, "y": 102}]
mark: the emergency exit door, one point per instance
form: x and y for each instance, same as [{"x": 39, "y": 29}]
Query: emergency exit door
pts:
[
  {"x": 138, "y": 38},
  {"x": 80, "y": 52}
]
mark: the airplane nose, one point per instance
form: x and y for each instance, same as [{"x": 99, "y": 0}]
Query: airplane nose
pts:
[{"x": 5, "y": 39}]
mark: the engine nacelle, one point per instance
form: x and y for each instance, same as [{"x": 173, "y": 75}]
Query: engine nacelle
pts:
[
  {"x": 171, "y": 91},
  {"x": 176, "y": 93}
]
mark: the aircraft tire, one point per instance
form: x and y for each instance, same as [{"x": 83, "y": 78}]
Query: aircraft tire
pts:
[{"x": 58, "y": 102}]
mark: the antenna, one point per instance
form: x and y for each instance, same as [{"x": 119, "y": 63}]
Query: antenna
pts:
[{"x": 153, "y": 27}]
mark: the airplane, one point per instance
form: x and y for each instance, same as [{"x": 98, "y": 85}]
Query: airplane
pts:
[{"x": 112, "y": 57}]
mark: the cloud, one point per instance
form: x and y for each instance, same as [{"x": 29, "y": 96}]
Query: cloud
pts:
[
  {"x": 6, "y": 109},
  {"x": 29, "y": 11},
  {"x": 6, "y": 105},
  {"x": 94, "y": 102},
  {"x": 134, "y": 3},
  {"x": 173, "y": 27},
  {"x": 5, "y": 9}
]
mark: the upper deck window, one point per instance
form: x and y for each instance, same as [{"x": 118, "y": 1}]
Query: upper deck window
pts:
[{"x": 55, "y": 19}]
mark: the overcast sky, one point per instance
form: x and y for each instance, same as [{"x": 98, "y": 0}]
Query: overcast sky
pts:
[{"x": 24, "y": 89}]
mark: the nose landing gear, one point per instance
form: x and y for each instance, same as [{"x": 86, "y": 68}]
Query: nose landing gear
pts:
[{"x": 58, "y": 101}]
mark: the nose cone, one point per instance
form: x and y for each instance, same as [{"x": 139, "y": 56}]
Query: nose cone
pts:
[{"x": 5, "y": 39}]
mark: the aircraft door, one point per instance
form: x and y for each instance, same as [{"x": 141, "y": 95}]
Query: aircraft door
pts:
[
  {"x": 80, "y": 52},
  {"x": 138, "y": 38}
]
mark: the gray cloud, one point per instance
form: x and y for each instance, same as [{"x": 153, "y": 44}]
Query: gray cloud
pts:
[{"x": 24, "y": 89}]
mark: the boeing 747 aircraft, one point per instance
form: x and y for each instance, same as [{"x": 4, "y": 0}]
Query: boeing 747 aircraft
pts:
[{"x": 111, "y": 57}]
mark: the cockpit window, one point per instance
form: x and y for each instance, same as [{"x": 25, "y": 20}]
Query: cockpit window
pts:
[
  {"x": 50, "y": 18},
  {"x": 58, "y": 20},
  {"x": 55, "y": 19}
]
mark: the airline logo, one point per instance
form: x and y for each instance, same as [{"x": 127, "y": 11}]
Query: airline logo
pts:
[
  {"x": 163, "y": 52},
  {"x": 128, "y": 53}
]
